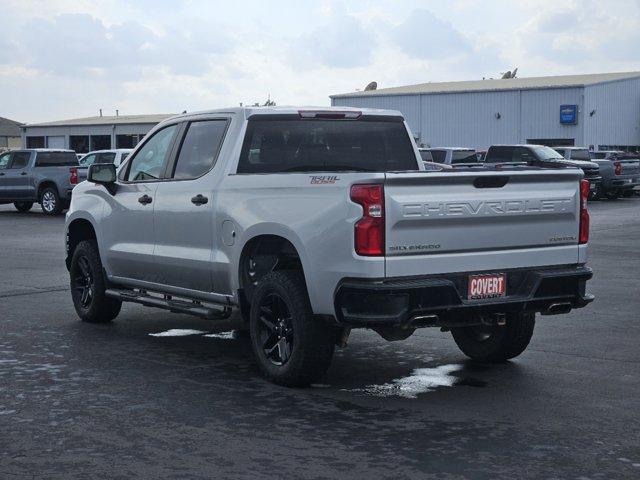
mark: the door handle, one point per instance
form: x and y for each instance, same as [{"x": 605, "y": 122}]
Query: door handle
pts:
[
  {"x": 1, "y": 174},
  {"x": 199, "y": 199},
  {"x": 23, "y": 173},
  {"x": 145, "y": 199}
]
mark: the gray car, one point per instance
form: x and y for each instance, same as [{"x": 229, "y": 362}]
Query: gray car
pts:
[
  {"x": 44, "y": 176},
  {"x": 315, "y": 222}
]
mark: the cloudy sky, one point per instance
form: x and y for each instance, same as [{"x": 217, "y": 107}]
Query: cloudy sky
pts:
[{"x": 68, "y": 58}]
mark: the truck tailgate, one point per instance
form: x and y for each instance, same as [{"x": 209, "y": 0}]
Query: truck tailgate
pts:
[
  {"x": 630, "y": 166},
  {"x": 471, "y": 221}
]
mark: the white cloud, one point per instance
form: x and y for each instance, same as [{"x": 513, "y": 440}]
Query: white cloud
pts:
[{"x": 67, "y": 58}]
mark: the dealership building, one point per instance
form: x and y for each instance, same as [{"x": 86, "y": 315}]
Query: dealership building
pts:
[
  {"x": 91, "y": 133},
  {"x": 601, "y": 111}
]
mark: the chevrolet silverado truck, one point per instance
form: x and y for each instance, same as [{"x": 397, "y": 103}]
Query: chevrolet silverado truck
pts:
[
  {"x": 313, "y": 222},
  {"x": 547, "y": 157},
  {"x": 44, "y": 176},
  {"x": 620, "y": 171}
]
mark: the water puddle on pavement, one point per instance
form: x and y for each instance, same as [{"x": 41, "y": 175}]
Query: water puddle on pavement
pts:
[
  {"x": 223, "y": 335},
  {"x": 421, "y": 380},
  {"x": 183, "y": 332},
  {"x": 177, "y": 332}
]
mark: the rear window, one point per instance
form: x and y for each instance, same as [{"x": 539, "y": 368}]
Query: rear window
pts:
[
  {"x": 56, "y": 159},
  {"x": 580, "y": 155},
  {"x": 322, "y": 145},
  {"x": 464, "y": 156}
]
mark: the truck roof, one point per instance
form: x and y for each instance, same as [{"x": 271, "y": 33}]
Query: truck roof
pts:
[
  {"x": 247, "y": 112},
  {"x": 65, "y": 150}
]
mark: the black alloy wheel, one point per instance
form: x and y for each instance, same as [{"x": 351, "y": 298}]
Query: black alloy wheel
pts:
[
  {"x": 275, "y": 330},
  {"x": 83, "y": 282}
]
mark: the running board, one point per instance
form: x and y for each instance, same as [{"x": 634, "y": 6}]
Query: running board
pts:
[{"x": 167, "y": 302}]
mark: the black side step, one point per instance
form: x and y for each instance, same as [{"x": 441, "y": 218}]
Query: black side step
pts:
[{"x": 167, "y": 302}]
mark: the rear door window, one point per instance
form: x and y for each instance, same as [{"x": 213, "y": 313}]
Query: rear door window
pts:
[
  {"x": 20, "y": 160},
  {"x": 439, "y": 156},
  {"x": 521, "y": 154},
  {"x": 88, "y": 160},
  {"x": 464, "y": 156},
  {"x": 499, "y": 155},
  {"x": 426, "y": 156},
  {"x": 293, "y": 145},
  {"x": 199, "y": 148},
  {"x": 106, "y": 157},
  {"x": 56, "y": 159}
]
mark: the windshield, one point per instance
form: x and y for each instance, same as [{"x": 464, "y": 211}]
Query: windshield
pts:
[
  {"x": 464, "y": 156},
  {"x": 547, "y": 153}
]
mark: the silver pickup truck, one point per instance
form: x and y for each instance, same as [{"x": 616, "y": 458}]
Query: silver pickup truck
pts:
[
  {"x": 44, "y": 176},
  {"x": 316, "y": 221}
]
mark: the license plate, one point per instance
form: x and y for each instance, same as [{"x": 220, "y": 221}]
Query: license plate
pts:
[
  {"x": 485, "y": 286},
  {"x": 592, "y": 186}
]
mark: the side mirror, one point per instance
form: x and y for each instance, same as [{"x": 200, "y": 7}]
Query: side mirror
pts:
[{"x": 102, "y": 173}]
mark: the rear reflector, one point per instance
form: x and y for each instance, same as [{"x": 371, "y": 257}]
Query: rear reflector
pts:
[
  {"x": 584, "y": 212},
  {"x": 369, "y": 230}
]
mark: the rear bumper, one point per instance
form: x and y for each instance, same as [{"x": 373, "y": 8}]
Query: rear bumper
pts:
[
  {"x": 443, "y": 298},
  {"x": 623, "y": 182}
]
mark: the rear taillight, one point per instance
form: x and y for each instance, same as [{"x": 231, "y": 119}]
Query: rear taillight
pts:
[
  {"x": 369, "y": 230},
  {"x": 584, "y": 212},
  {"x": 617, "y": 168},
  {"x": 73, "y": 175}
]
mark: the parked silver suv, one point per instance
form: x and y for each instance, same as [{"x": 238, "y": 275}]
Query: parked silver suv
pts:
[{"x": 316, "y": 221}]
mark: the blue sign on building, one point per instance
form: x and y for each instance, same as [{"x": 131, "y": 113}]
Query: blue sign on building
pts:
[{"x": 568, "y": 114}]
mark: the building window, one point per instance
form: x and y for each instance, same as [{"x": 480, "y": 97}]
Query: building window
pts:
[
  {"x": 35, "y": 142},
  {"x": 127, "y": 140},
  {"x": 623, "y": 148},
  {"x": 79, "y": 143},
  {"x": 100, "y": 142}
]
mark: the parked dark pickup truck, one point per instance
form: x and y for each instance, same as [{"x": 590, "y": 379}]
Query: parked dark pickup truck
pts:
[
  {"x": 541, "y": 156},
  {"x": 43, "y": 176}
]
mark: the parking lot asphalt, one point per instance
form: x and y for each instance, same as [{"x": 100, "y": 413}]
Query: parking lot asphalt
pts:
[{"x": 114, "y": 401}]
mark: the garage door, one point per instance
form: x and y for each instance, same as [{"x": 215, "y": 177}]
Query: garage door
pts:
[{"x": 55, "y": 142}]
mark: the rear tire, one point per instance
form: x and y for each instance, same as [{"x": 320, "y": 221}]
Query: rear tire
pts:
[
  {"x": 497, "y": 343},
  {"x": 88, "y": 285},
  {"x": 292, "y": 347},
  {"x": 50, "y": 201},
  {"x": 23, "y": 207},
  {"x": 613, "y": 195}
]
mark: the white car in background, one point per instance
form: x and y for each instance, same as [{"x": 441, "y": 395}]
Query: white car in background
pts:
[{"x": 115, "y": 156}]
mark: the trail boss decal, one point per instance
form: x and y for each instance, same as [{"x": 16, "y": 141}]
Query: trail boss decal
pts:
[
  {"x": 486, "y": 286},
  {"x": 323, "y": 179}
]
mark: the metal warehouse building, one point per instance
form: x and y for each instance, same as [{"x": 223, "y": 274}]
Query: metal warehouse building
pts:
[
  {"x": 92, "y": 133},
  {"x": 599, "y": 110}
]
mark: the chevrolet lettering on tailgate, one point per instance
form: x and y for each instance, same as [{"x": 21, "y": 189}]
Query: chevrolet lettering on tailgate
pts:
[{"x": 502, "y": 207}]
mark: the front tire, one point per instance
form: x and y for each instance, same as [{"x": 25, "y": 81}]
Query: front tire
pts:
[
  {"x": 291, "y": 346},
  {"x": 50, "y": 201},
  {"x": 496, "y": 343},
  {"x": 23, "y": 207},
  {"x": 88, "y": 286}
]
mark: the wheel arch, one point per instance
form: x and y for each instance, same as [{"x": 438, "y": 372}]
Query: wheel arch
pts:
[
  {"x": 287, "y": 250},
  {"x": 45, "y": 184},
  {"x": 78, "y": 230}
]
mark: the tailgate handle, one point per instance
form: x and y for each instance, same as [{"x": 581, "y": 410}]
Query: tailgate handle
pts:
[{"x": 490, "y": 182}]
